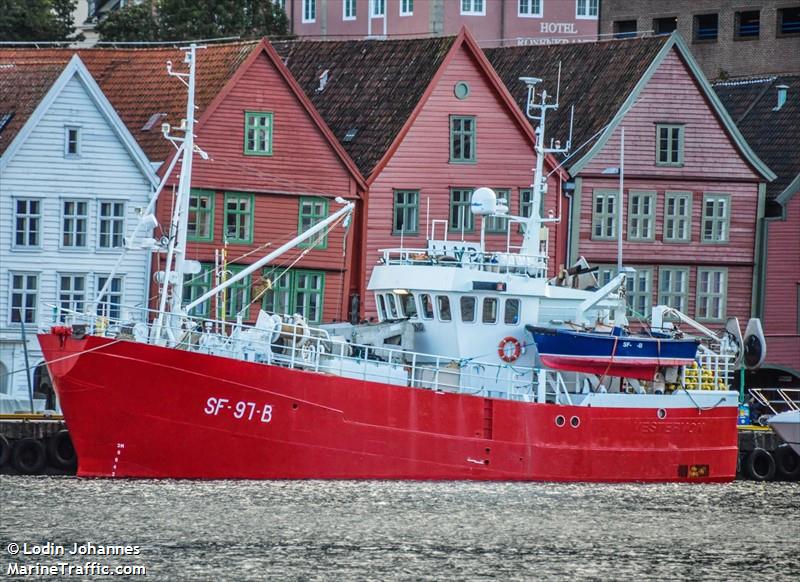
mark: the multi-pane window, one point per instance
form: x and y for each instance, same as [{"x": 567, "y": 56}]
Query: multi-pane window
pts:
[
  {"x": 711, "y": 291},
  {"x": 673, "y": 287},
  {"x": 377, "y": 8},
  {"x": 258, "y": 133},
  {"x": 406, "y": 212},
  {"x": 195, "y": 286},
  {"x": 348, "y": 9},
  {"x": 604, "y": 215},
  {"x": 498, "y": 224},
  {"x": 678, "y": 217},
  {"x": 309, "y": 10},
  {"x": 24, "y": 294},
  {"x": 406, "y": 7},
  {"x": 201, "y": 216},
  {"x": 747, "y": 24},
  {"x": 669, "y": 144},
  {"x": 238, "y": 218},
  {"x": 526, "y": 205},
  {"x": 110, "y": 305},
  {"x": 529, "y": 8},
  {"x": 706, "y": 27},
  {"x": 297, "y": 291},
  {"x": 641, "y": 215},
  {"x": 237, "y": 296},
  {"x": 112, "y": 224},
  {"x": 462, "y": 138},
  {"x": 71, "y": 294},
  {"x": 639, "y": 292},
  {"x": 72, "y": 142},
  {"x": 716, "y": 218},
  {"x": 587, "y": 8},
  {"x": 604, "y": 274},
  {"x": 312, "y": 211},
  {"x": 460, "y": 212},
  {"x": 475, "y": 7},
  {"x": 74, "y": 223},
  {"x": 27, "y": 222}
]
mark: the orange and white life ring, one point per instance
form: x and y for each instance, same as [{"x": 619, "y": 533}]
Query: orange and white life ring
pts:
[{"x": 509, "y": 349}]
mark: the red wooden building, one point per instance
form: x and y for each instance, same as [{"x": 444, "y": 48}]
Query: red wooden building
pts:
[
  {"x": 427, "y": 121},
  {"x": 694, "y": 191}
]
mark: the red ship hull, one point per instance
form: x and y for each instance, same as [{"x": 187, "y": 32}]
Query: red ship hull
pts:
[{"x": 137, "y": 410}]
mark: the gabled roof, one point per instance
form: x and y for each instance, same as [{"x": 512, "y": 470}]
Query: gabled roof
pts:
[
  {"x": 47, "y": 91},
  {"x": 371, "y": 87},
  {"x": 603, "y": 80},
  {"x": 774, "y": 135}
]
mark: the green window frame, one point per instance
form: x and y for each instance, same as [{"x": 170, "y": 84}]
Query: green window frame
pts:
[
  {"x": 678, "y": 217},
  {"x": 296, "y": 291},
  {"x": 526, "y": 205},
  {"x": 716, "y": 218},
  {"x": 201, "y": 216},
  {"x": 604, "y": 274},
  {"x": 460, "y": 210},
  {"x": 239, "y": 210},
  {"x": 463, "y": 142},
  {"x": 311, "y": 210},
  {"x": 498, "y": 224},
  {"x": 196, "y": 285},
  {"x": 641, "y": 215},
  {"x": 604, "y": 215},
  {"x": 405, "y": 216},
  {"x": 670, "y": 138},
  {"x": 673, "y": 287},
  {"x": 712, "y": 289},
  {"x": 258, "y": 127},
  {"x": 237, "y": 296}
]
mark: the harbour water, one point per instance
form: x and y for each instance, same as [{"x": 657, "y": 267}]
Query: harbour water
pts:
[{"x": 290, "y": 530}]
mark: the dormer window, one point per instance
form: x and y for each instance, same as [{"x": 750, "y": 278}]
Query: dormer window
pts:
[{"x": 72, "y": 142}]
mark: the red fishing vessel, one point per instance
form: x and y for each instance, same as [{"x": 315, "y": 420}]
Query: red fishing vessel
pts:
[{"x": 407, "y": 398}]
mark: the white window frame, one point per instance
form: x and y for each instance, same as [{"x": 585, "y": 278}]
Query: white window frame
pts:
[
  {"x": 98, "y": 285},
  {"x": 373, "y": 8},
  {"x": 677, "y": 219},
  {"x": 633, "y": 293},
  {"x": 705, "y": 299},
  {"x": 471, "y": 11},
  {"x": 721, "y": 226},
  {"x": 587, "y": 9},
  {"x": 530, "y": 13},
  {"x": 28, "y": 216},
  {"x": 349, "y": 4},
  {"x": 406, "y": 7},
  {"x": 642, "y": 225},
  {"x": 74, "y": 217},
  {"x": 25, "y": 292},
  {"x": 309, "y": 7},
  {"x": 71, "y": 293},
  {"x": 683, "y": 293},
  {"x": 78, "y": 144},
  {"x": 114, "y": 220}
]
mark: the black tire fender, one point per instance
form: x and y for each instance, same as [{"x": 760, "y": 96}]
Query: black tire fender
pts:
[
  {"x": 60, "y": 450},
  {"x": 787, "y": 462},
  {"x": 28, "y": 456},
  {"x": 760, "y": 465},
  {"x": 5, "y": 450}
]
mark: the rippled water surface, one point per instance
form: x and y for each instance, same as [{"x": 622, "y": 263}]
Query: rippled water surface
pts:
[{"x": 410, "y": 530}]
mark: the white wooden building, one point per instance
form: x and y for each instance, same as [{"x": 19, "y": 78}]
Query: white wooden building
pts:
[{"x": 72, "y": 179}]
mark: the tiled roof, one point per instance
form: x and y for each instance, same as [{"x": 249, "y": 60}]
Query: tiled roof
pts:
[
  {"x": 596, "y": 77},
  {"x": 136, "y": 83},
  {"x": 22, "y": 87},
  {"x": 371, "y": 88},
  {"x": 772, "y": 134}
]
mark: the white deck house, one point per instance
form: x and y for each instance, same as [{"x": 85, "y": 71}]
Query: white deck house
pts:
[{"x": 71, "y": 181}]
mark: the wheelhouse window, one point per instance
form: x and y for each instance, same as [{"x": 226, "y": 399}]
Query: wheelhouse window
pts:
[
  {"x": 711, "y": 293},
  {"x": 27, "y": 222},
  {"x": 391, "y": 306},
  {"x": 462, "y": 139},
  {"x": 678, "y": 217},
  {"x": 381, "y": 302},
  {"x": 529, "y": 8},
  {"x": 75, "y": 221},
  {"x": 669, "y": 144},
  {"x": 641, "y": 215},
  {"x": 312, "y": 211},
  {"x": 460, "y": 210},
  {"x": 673, "y": 287},
  {"x": 71, "y": 295},
  {"x": 110, "y": 305},
  {"x": 511, "y": 314},
  {"x": 716, "y": 218},
  {"x": 473, "y": 7},
  {"x": 406, "y": 212},
  {"x": 194, "y": 286},
  {"x": 467, "y": 304},
  {"x": 72, "y": 142},
  {"x": 238, "y": 218},
  {"x": 443, "y": 307},
  {"x": 112, "y": 225},
  {"x": 747, "y": 24},
  {"x": 587, "y": 9},
  {"x": 426, "y": 303},
  {"x": 201, "y": 216},
  {"x": 604, "y": 221},
  {"x": 257, "y": 133},
  {"x": 309, "y": 10},
  {"x": 408, "y": 304},
  {"x": 706, "y": 27},
  {"x": 24, "y": 297},
  {"x": 489, "y": 314}
]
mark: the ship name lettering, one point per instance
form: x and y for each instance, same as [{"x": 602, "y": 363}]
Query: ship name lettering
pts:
[
  {"x": 241, "y": 410},
  {"x": 660, "y": 426}
]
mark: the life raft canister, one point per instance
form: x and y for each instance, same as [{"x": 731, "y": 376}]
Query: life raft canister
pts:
[{"x": 509, "y": 349}]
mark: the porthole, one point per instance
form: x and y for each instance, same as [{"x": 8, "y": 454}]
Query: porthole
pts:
[
  {"x": 661, "y": 413},
  {"x": 461, "y": 90},
  {"x": 575, "y": 422},
  {"x": 560, "y": 420}
]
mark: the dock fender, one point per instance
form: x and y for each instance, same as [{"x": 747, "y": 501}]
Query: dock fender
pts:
[
  {"x": 759, "y": 465},
  {"x": 28, "y": 456},
  {"x": 60, "y": 450},
  {"x": 787, "y": 462},
  {"x": 5, "y": 450}
]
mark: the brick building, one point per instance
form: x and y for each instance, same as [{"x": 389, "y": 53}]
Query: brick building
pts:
[{"x": 729, "y": 38}]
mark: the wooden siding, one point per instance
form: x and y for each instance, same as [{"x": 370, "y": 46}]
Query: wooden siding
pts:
[
  {"x": 303, "y": 163},
  {"x": 505, "y": 159},
  {"x": 782, "y": 293},
  {"x": 105, "y": 170}
]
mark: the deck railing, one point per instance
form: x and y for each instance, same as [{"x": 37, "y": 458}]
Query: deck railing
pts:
[{"x": 494, "y": 262}]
